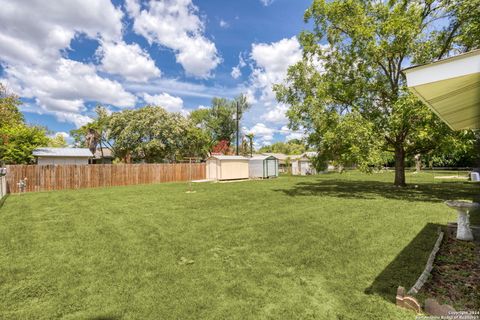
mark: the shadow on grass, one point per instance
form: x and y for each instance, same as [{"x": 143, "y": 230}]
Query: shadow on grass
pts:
[
  {"x": 428, "y": 192},
  {"x": 2, "y": 200},
  {"x": 407, "y": 266}
]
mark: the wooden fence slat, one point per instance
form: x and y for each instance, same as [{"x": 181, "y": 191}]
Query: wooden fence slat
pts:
[{"x": 59, "y": 177}]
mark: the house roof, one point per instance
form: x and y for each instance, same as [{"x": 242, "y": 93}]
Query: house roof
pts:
[
  {"x": 107, "y": 153},
  {"x": 281, "y": 156},
  {"x": 62, "y": 152},
  {"x": 261, "y": 157},
  {"x": 223, "y": 157},
  {"x": 450, "y": 87},
  {"x": 309, "y": 154}
]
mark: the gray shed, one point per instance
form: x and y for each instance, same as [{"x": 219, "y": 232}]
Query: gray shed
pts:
[{"x": 263, "y": 167}]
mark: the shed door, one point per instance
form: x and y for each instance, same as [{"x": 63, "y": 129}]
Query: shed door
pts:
[{"x": 271, "y": 168}]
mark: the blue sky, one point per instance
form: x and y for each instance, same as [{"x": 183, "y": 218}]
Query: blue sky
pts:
[{"x": 72, "y": 55}]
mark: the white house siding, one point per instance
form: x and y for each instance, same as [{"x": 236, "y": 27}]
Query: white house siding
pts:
[
  {"x": 3, "y": 186},
  {"x": 62, "y": 160}
]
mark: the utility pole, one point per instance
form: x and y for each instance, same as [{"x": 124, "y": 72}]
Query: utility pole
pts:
[{"x": 238, "y": 106}]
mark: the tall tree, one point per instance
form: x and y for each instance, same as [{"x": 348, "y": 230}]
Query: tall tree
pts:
[
  {"x": 250, "y": 137},
  {"x": 58, "y": 141},
  {"x": 220, "y": 119},
  {"x": 10, "y": 115},
  {"x": 293, "y": 146},
  {"x": 359, "y": 72},
  {"x": 17, "y": 140}
]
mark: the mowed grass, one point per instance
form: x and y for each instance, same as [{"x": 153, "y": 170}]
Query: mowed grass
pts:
[{"x": 319, "y": 247}]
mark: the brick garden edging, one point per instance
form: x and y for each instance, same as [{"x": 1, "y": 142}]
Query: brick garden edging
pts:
[
  {"x": 428, "y": 268},
  {"x": 432, "y": 307}
]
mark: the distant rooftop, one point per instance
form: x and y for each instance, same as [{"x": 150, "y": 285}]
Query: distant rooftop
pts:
[
  {"x": 223, "y": 157},
  {"x": 62, "y": 152},
  {"x": 107, "y": 153},
  {"x": 281, "y": 156}
]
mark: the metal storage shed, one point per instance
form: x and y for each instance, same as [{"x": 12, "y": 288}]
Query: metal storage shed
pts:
[
  {"x": 263, "y": 167},
  {"x": 303, "y": 165},
  {"x": 52, "y": 156},
  {"x": 227, "y": 167}
]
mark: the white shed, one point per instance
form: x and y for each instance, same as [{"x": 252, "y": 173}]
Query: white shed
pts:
[
  {"x": 227, "y": 167},
  {"x": 263, "y": 167},
  {"x": 303, "y": 165},
  {"x": 52, "y": 156}
]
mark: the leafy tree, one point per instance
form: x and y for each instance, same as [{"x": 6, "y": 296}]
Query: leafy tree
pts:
[
  {"x": 18, "y": 142},
  {"x": 154, "y": 135},
  {"x": 357, "y": 78},
  {"x": 9, "y": 113},
  {"x": 293, "y": 147},
  {"x": 58, "y": 141},
  {"x": 250, "y": 137},
  {"x": 96, "y": 133},
  {"x": 220, "y": 119}
]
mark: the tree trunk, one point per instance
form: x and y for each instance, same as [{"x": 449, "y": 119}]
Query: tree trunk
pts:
[{"x": 399, "y": 167}]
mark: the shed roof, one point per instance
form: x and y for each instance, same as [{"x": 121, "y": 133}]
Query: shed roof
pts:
[
  {"x": 262, "y": 157},
  {"x": 223, "y": 157},
  {"x": 282, "y": 156},
  {"x": 450, "y": 87},
  {"x": 62, "y": 152}
]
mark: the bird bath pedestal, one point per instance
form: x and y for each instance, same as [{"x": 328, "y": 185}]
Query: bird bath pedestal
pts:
[{"x": 463, "y": 222}]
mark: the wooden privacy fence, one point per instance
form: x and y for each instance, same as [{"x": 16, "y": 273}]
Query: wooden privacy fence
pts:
[{"x": 59, "y": 177}]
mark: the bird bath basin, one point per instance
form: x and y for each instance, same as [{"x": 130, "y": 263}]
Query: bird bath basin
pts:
[{"x": 463, "y": 208}]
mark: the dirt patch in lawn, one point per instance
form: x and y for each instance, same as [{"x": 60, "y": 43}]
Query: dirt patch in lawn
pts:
[{"x": 455, "y": 278}]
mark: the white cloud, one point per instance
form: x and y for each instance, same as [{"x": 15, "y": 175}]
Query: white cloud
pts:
[
  {"x": 224, "y": 24},
  {"x": 51, "y": 26},
  {"x": 262, "y": 133},
  {"x": 236, "y": 73},
  {"x": 183, "y": 88},
  {"x": 69, "y": 85},
  {"x": 270, "y": 64},
  {"x": 75, "y": 118},
  {"x": 34, "y": 61},
  {"x": 277, "y": 114},
  {"x": 170, "y": 103},
  {"x": 290, "y": 134},
  {"x": 266, "y": 3},
  {"x": 127, "y": 60},
  {"x": 175, "y": 24}
]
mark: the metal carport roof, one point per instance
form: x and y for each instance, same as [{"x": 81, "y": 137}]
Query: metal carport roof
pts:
[{"x": 451, "y": 88}]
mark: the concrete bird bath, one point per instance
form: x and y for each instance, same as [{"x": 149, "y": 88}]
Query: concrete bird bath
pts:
[{"x": 463, "y": 222}]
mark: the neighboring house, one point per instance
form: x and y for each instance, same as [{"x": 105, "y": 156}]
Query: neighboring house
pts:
[
  {"x": 50, "y": 156},
  {"x": 227, "y": 167},
  {"x": 284, "y": 160},
  {"x": 261, "y": 166},
  {"x": 303, "y": 165},
  {"x": 107, "y": 157}
]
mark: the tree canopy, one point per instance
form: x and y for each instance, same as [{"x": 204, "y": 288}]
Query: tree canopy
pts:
[
  {"x": 17, "y": 139},
  {"x": 293, "y": 147},
  {"x": 219, "y": 120},
  {"x": 349, "y": 89}
]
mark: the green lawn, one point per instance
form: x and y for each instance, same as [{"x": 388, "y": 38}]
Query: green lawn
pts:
[{"x": 322, "y": 247}]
